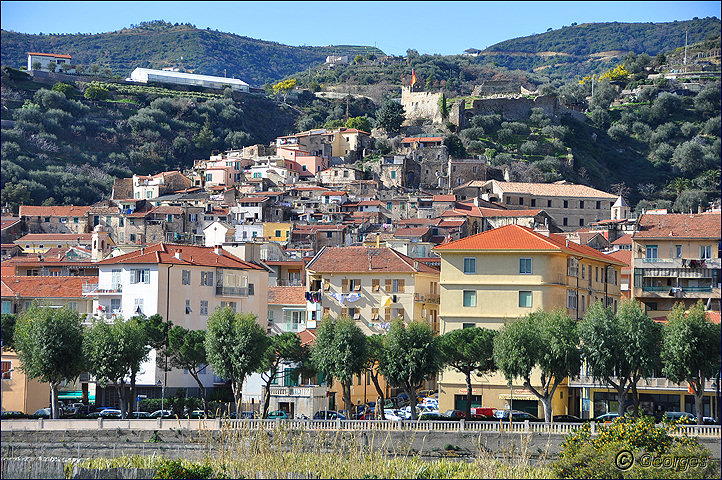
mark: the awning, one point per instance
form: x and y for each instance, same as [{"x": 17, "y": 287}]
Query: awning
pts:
[
  {"x": 506, "y": 396},
  {"x": 74, "y": 395}
]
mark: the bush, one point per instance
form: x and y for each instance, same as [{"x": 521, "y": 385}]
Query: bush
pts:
[
  {"x": 585, "y": 456},
  {"x": 96, "y": 93},
  {"x": 617, "y": 132},
  {"x": 64, "y": 88},
  {"x": 183, "y": 469}
]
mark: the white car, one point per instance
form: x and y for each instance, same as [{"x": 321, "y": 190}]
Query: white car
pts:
[
  {"x": 406, "y": 411},
  {"x": 390, "y": 414}
]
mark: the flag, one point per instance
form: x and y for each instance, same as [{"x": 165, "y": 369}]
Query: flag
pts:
[{"x": 413, "y": 77}]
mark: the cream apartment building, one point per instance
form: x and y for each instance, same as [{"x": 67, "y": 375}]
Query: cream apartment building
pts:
[{"x": 506, "y": 273}]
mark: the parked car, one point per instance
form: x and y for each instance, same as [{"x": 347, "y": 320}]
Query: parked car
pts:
[
  {"x": 607, "y": 417},
  {"x": 685, "y": 417},
  {"x": 516, "y": 415},
  {"x": 42, "y": 413},
  {"x": 247, "y": 415},
  {"x": 12, "y": 414},
  {"x": 163, "y": 413},
  {"x": 566, "y": 418},
  {"x": 141, "y": 415},
  {"x": 328, "y": 415},
  {"x": 455, "y": 414},
  {"x": 433, "y": 416},
  {"x": 391, "y": 414},
  {"x": 111, "y": 413},
  {"x": 278, "y": 414},
  {"x": 483, "y": 413}
]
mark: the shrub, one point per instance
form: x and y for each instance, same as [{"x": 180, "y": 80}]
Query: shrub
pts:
[
  {"x": 96, "y": 93},
  {"x": 585, "y": 456},
  {"x": 64, "y": 88},
  {"x": 183, "y": 469}
]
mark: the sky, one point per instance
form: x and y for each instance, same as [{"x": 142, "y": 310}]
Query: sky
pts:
[{"x": 445, "y": 28}]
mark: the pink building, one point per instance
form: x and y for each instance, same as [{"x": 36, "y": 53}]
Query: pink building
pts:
[{"x": 308, "y": 162}]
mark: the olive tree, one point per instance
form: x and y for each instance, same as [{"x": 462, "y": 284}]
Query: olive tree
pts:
[
  {"x": 470, "y": 351},
  {"x": 187, "y": 350},
  {"x": 285, "y": 347},
  {"x": 49, "y": 343},
  {"x": 543, "y": 341},
  {"x": 376, "y": 352}
]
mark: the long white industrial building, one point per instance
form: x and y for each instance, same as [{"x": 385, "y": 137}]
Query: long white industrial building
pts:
[{"x": 145, "y": 75}]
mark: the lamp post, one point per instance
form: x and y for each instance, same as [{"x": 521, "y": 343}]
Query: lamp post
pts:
[{"x": 162, "y": 396}]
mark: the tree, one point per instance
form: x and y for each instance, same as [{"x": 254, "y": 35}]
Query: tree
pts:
[
  {"x": 235, "y": 344},
  {"x": 542, "y": 340},
  {"x": 64, "y": 88},
  {"x": 621, "y": 349},
  {"x": 37, "y": 65},
  {"x": 95, "y": 68},
  {"x": 691, "y": 350},
  {"x": 285, "y": 347},
  {"x": 114, "y": 353},
  {"x": 7, "y": 336},
  {"x": 469, "y": 350},
  {"x": 690, "y": 200},
  {"x": 204, "y": 139},
  {"x": 688, "y": 156},
  {"x": 187, "y": 350},
  {"x": 412, "y": 356},
  {"x": 66, "y": 67},
  {"x": 340, "y": 352},
  {"x": 376, "y": 353},
  {"x": 96, "y": 93},
  {"x": 359, "y": 123},
  {"x": 49, "y": 343},
  {"x": 283, "y": 87},
  {"x": 443, "y": 107},
  {"x": 358, "y": 59},
  {"x": 455, "y": 146},
  {"x": 390, "y": 116},
  {"x": 51, "y": 66}
]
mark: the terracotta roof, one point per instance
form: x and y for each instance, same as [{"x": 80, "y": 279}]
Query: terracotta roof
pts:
[
  {"x": 287, "y": 295},
  {"x": 166, "y": 210},
  {"x": 553, "y": 189},
  {"x": 51, "y": 237},
  {"x": 44, "y": 287},
  {"x": 444, "y": 198},
  {"x": 418, "y": 221},
  {"x": 56, "y": 211},
  {"x": 333, "y": 193},
  {"x": 252, "y": 199},
  {"x": 370, "y": 203},
  {"x": 625, "y": 239},
  {"x": 56, "y": 55},
  {"x": 624, "y": 256},
  {"x": 364, "y": 260},
  {"x": 495, "y": 212},
  {"x": 680, "y": 225},
  {"x": 422, "y": 139},
  {"x": 712, "y": 316},
  {"x": 411, "y": 232},
  {"x": 297, "y": 228},
  {"x": 190, "y": 255},
  {"x": 451, "y": 223},
  {"x": 515, "y": 237},
  {"x": 8, "y": 222},
  {"x": 307, "y": 337},
  {"x": 311, "y": 188}
]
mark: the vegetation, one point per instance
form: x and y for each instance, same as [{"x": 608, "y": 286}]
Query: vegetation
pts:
[
  {"x": 187, "y": 350},
  {"x": 285, "y": 347}
]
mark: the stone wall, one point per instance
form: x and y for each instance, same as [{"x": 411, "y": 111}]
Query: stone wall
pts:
[
  {"x": 419, "y": 105},
  {"x": 512, "y": 108}
]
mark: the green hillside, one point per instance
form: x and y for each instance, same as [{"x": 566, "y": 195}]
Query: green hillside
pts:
[{"x": 160, "y": 44}]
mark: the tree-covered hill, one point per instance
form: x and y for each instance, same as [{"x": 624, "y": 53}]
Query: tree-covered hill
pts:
[{"x": 160, "y": 44}]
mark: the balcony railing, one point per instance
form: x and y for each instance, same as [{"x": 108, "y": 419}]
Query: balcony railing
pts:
[
  {"x": 231, "y": 291},
  {"x": 686, "y": 263},
  {"x": 588, "y": 381},
  {"x": 100, "y": 289},
  {"x": 682, "y": 289},
  {"x": 418, "y": 297}
]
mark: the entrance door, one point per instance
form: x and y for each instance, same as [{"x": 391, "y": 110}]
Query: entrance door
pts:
[
  {"x": 460, "y": 401},
  {"x": 528, "y": 406}
]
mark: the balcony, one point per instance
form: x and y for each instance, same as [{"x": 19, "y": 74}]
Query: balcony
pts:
[
  {"x": 653, "y": 383},
  {"x": 102, "y": 289},
  {"x": 675, "y": 263},
  {"x": 305, "y": 392},
  {"x": 426, "y": 298},
  {"x": 291, "y": 327},
  {"x": 231, "y": 291},
  {"x": 704, "y": 289}
]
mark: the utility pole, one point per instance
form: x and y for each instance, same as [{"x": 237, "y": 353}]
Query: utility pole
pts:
[{"x": 685, "y": 50}]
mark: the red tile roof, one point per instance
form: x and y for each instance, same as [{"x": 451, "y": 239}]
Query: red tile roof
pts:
[
  {"x": 307, "y": 337},
  {"x": 515, "y": 237},
  {"x": 44, "y": 287},
  {"x": 56, "y": 55},
  {"x": 421, "y": 139},
  {"x": 553, "y": 189},
  {"x": 333, "y": 193},
  {"x": 365, "y": 260},
  {"x": 496, "y": 212},
  {"x": 164, "y": 253},
  {"x": 624, "y": 256},
  {"x": 56, "y": 211},
  {"x": 411, "y": 232},
  {"x": 8, "y": 222},
  {"x": 679, "y": 225},
  {"x": 444, "y": 198},
  {"x": 287, "y": 295},
  {"x": 625, "y": 239},
  {"x": 451, "y": 223},
  {"x": 712, "y": 316},
  {"x": 56, "y": 237}
]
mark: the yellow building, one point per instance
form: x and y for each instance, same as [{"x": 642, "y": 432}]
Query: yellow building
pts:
[
  {"x": 676, "y": 258},
  {"x": 373, "y": 286},
  {"x": 19, "y": 392},
  {"x": 506, "y": 273},
  {"x": 277, "y": 232}
]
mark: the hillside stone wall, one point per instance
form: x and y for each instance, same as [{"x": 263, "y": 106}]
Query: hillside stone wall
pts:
[{"x": 418, "y": 105}]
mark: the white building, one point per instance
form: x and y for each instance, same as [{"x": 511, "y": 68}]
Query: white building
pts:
[
  {"x": 45, "y": 58},
  {"x": 146, "y": 75}
]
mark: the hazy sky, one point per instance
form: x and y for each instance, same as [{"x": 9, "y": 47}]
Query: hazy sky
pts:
[{"x": 429, "y": 27}]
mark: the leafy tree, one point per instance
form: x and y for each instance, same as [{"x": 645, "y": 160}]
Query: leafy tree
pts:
[
  {"x": 115, "y": 352},
  {"x": 662, "y": 155},
  {"x": 66, "y": 67},
  {"x": 358, "y": 59},
  {"x": 204, "y": 139},
  {"x": 187, "y": 350},
  {"x": 604, "y": 94},
  {"x": 455, "y": 146},
  {"x": 340, "y": 352},
  {"x": 8, "y": 330},
  {"x": 235, "y": 344},
  {"x": 283, "y": 87},
  {"x": 443, "y": 107},
  {"x": 689, "y": 201},
  {"x": 691, "y": 350},
  {"x": 390, "y": 116},
  {"x": 359, "y": 123},
  {"x": 285, "y": 347},
  {"x": 376, "y": 353},
  {"x": 96, "y": 93},
  {"x": 707, "y": 102},
  {"x": 64, "y": 88},
  {"x": 95, "y": 68},
  {"x": 543, "y": 340},
  {"x": 469, "y": 350},
  {"x": 49, "y": 344},
  {"x": 37, "y": 65},
  {"x": 689, "y": 157},
  {"x": 618, "y": 132},
  {"x": 51, "y": 66},
  {"x": 619, "y": 349},
  {"x": 412, "y": 356}
]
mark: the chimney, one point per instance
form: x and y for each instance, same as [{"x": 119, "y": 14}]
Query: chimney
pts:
[
  {"x": 218, "y": 250},
  {"x": 416, "y": 264},
  {"x": 178, "y": 254}
]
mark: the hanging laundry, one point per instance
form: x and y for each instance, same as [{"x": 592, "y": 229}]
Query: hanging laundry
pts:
[
  {"x": 352, "y": 297},
  {"x": 338, "y": 297}
]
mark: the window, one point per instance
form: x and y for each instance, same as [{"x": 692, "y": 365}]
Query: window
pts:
[
  {"x": 582, "y": 303},
  {"x": 232, "y": 306},
  {"x": 193, "y": 217},
  {"x": 678, "y": 251},
  {"x": 185, "y": 277},
  {"x": 565, "y": 221},
  {"x": 566, "y": 203},
  {"x": 355, "y": 284},
  {"x": 596, "y": 274},
  {"x": 64, "y": 220},
  {"x": 469, "y": 298},
  {"x": 571, "y": 299},
  {"x": 138, "y": 306},
  {"x": 468, "y": 325},
  {"x": 169, "y": 218},
  {"x": 525, "y": 299},
  {"x": 115, "y": 306},
  {"x": 188, "y": 307},
  {"x": 375, "y": 285},
  {"x": 148, "y": 194},
  {"x": 374, "y": 313},
  {"x": 140, "y": 275},
  {"x": 6, "y": 367},
  {"x": 705, "y": 251},
  {"x": 469, "y": 265},
  {"x": 251, "y": 289},
  {"x": 397, "y": 286},
  {"x": 209, "y": 177},
  {"x": 278, "y": 233},
  {"x": 581, "y": 222},
  {"x": 399, "y": 313},
  {"x": 525, "y": 266},
  {"x": 207, "y": 279},
  {"x": 584, "y": 270},
  {"x": 47, "y": 219},
  {"x": 77, "y": 220},
  {"x": 599, "y": 205},
  {"x": 393, "y": 174},
  {"x": 73, "y": 306},
  {"x": 581, "y": 203},
  {"x": 388, "y": 205},
  {"x": 329, "y": 234},
  {"x": 572, "y": 267},
  {"x": 533, "y": 202},
  {"x": 204, "y": 307},
  {"x": 549, "y": 203},
  {"x": 121, "y": 222}
]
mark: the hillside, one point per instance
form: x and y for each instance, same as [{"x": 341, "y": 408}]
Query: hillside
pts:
[
  {"x": 159, "y": 44},
  {"x": 580, "y": 49}
]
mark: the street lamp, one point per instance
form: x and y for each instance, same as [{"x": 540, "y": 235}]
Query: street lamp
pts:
[{"x": 162, "y": 396}]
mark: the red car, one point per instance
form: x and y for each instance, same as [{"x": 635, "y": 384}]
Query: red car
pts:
[{"x": 482, "y": 412}]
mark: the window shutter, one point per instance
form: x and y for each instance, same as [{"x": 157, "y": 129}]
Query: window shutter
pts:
[
  {"x": 344, "y": 311},
  {"x": 374, "y": 314},
  {"x": 326, "y": 284},
  {"x": 389, "y": 284},
  {"x": 375, "y": 285},
  {"x": 387, "y": 314},
  {"x": 344, "y": 285},
  {"x": 401, "y": 286},
  {"x": 357, "y": 285}
]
